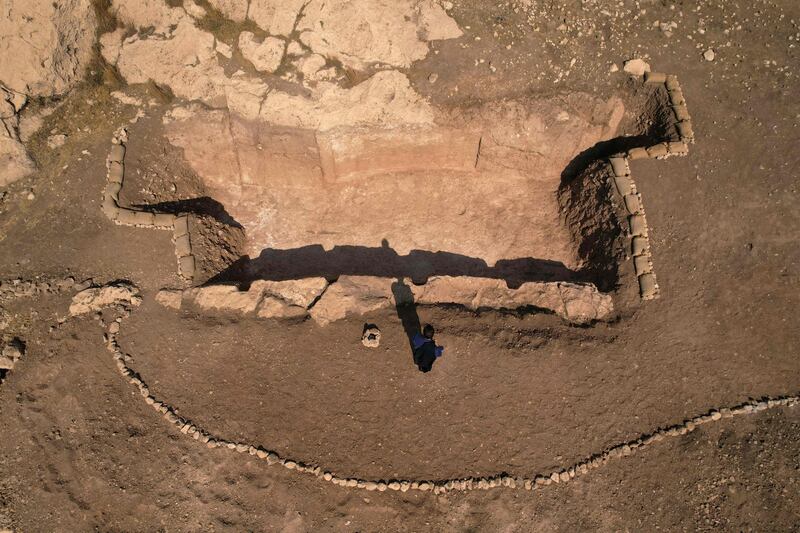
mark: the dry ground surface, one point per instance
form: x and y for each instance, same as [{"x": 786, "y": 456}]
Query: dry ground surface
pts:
[{"x": 513, "y": 393}]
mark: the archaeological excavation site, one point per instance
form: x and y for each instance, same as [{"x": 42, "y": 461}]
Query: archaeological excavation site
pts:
[{"x": 411, "y": 265}]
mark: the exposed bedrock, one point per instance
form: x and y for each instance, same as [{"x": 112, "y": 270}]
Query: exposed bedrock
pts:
[
  {"x": 359, "y": 295},
  {"x": 481, "y": 186},
  {"x": 45, "y": 47}
]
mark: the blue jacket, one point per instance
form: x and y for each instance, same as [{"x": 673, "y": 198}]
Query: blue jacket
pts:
[{"x": 425, "y": 352}]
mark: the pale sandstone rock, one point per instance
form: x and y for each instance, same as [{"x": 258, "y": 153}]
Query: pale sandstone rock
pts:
[
  {"x": 111, "y": 45},
  {"x": 14, "y": 350},
  {"x": 352, "y": 295},
  {"x": 244, "y": 94},
  {"x": 357, "y": 154},
  {"x": 14, "y": 161},
  {"x": 310, "y": 65},
  {"x": 45, "y": 45},
  {"x": 224, "y": 50},
  {"x": 299, "y": 292},
  {"x": 584, "y": 303},
  {"x": 154, "y": 14},
  {"x": 636, "y": 67},
  {"x": 186, "y": 62},
  {"x": 170, "y": 298},
  {"x": 386, "y": 99},
  {"x": 576, "y": 303},
  {"x": 265, "y": 56},
  {"x": 288, "y": 299},
  {"x": 273, "y": 307},
  {"x": 362, "y": 32},
  {"x": 436, "y": 24},
  {"x": 225, "y": 297},
  {"x": 96, "y": 298},
  {"x": 276, "y": 17},
  {"x": 193, "y": 9},
  {"x": 294, "y": 49}
]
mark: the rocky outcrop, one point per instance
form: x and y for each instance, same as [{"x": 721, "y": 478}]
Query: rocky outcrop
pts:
[
  {"x": 45, "y": 45},
  {"x": 276, "y": 17},
  {"x": 96, "y": 298},
  {"x": 384, "y": 100},
  {"x": 268, "y": 299},
  {"x": 359, "y": 295},
  {"x": 14, "y": 160},
  {"x": 362, "y": 32},
  {"x": 184, "y": 59},
  {"x": 155, "y": 14},
  {"x": 577, "y": 303},
  {"x": 224, "y": 297},
  {"x": 266, "y": 55},
  {"x": 352, "y": 295},
  {"x": 170, "y": 298}
]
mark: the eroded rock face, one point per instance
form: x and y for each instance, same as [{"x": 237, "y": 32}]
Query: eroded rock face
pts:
[
  {"x": 45, "y": 45},
  {"x": 266, "y": 55},
  {"x": 225, "y": 297},
  {"x": 297, "y": 292},
  {"x": 14, "y": 161},
  {"x": 268, "y": 299},
  {"x": 359, "y": 295},
  {"x": 184, "y": 59},
  {"x": 276, "y": 17},
  {"x": 154, "y": 14},
  {"x": 97, "y": 298},
  {"x": 384, "y": 100},
  {"x": 362, "y": 32},
  {"x": 170, "y": 298},
  {"x": 578, "y": 303},
  {"x": 352, "y": 295}
]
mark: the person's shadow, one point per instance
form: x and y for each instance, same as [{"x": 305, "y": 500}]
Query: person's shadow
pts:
[{"x": 406, "y": 311}]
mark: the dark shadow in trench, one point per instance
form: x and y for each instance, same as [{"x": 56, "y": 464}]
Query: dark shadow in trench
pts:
[
  {"x": 203, "y": 205},
  {"x": 407, "y": 311},
  {"x": 419, "y": 265}
]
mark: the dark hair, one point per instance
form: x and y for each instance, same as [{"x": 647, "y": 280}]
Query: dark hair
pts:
[{"x": 427, "y": 331}]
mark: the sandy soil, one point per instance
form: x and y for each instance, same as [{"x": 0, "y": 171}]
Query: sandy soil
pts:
[{"x": 513, "y": 393}]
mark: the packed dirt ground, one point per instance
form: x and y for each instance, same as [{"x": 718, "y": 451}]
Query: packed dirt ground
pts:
[{"x": 519, "y": 392}]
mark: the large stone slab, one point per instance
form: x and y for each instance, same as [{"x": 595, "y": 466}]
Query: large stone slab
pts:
[
  {"x": 579, "y": 303},
  {"x": 225, "y": 298},
  {"x": 352, "y": 295}
]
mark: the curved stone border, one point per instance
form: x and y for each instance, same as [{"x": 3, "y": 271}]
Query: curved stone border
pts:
[
  {"x": 639, "y": 246},
  {"x": 563, "y": 475},
  {"x": 125, "y": 216}
]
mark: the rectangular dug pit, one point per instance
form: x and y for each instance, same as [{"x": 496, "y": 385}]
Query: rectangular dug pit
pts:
[{"x": 478, "y": 197}]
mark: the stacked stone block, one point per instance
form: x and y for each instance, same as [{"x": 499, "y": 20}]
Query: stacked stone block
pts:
[
  {"x": 639, "y": 246},
  {"x": 125, "y": 216}
]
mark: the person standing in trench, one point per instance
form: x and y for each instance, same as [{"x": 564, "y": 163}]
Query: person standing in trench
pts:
[{"x": 423, "y": 346}]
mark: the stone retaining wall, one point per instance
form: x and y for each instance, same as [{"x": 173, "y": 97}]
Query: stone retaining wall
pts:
[
  {"x": 624, "y": 185},
  {"x": 126, "y": 216}
]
